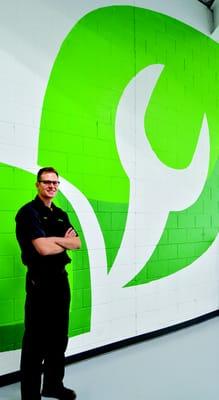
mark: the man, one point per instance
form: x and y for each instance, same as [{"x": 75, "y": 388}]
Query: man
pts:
[{"x": 44, "y": 234}]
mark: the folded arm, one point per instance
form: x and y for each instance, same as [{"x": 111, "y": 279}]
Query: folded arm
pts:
[
  {"x": 54, "y": 245},
  {"x": 70, "y": 241}
]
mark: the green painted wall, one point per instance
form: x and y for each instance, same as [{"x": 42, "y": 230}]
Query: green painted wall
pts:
[{"x": 96, "y": 61}]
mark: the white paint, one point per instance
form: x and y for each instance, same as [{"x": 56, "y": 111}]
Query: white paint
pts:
[{"x": 153, "y": 185}]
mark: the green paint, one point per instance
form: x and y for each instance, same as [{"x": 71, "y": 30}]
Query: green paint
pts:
[
  {"x": 79, "y": 274},
  {"x": 95, "y": 63},
  {"x": 195, "y": 230}
]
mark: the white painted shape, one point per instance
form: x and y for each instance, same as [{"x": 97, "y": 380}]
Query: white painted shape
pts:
[
  {"x": 6, "y": 133},
  {"x": 9, "y": 361},
  {"x": 120, "y": 308},
  {"x": 25, "y": 95},
  {"x": 26, "y": 132},
  {"x": 126, "y": 327},
  {"x": 195, "y": 292},
  {"x": 15, "y": 156},
  {"x": 93, "y": 236},
  {"x": 150, "y": 179}
]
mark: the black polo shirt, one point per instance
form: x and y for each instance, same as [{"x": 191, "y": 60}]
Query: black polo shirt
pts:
[{"x": 35, "y": 220}]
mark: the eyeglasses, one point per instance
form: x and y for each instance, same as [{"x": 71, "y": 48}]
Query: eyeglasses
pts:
[{"x": 48, "y": 183}]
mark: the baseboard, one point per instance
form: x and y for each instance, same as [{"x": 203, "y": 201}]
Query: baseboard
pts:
[{"x": 14, "y": 377}]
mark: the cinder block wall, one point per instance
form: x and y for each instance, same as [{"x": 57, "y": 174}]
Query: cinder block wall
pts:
[{"x": 138, "y": 167}]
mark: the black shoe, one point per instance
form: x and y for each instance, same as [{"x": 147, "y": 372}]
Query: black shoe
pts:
[{"x": 61, "y": 394}]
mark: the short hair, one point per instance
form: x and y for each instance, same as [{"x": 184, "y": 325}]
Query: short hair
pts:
[{"x": 46, "y": 169}]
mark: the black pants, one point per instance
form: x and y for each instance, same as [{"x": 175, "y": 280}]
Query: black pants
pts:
[{"x": 46, "y": 334}]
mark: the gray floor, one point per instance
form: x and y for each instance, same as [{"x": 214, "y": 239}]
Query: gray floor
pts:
[{"x": 183, "y": 365}]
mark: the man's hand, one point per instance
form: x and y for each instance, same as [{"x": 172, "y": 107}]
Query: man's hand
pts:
[
  {"x": 70, "y": 241},
  {"x": 70, "y": 233}
]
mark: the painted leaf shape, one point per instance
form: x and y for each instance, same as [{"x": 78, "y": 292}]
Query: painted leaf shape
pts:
[{"x": 96, "y": 61}]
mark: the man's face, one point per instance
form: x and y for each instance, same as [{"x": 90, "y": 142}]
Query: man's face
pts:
[{"x": 48, "y": 185}]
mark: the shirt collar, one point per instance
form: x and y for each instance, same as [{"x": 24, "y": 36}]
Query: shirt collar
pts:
[{"x": 40, "y": 204}]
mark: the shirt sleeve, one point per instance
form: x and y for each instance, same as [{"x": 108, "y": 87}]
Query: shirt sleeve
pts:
[{"x": 29, "y": 225}]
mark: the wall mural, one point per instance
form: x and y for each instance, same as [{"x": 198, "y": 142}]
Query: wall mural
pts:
[{"x": 129, "y": 119}]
